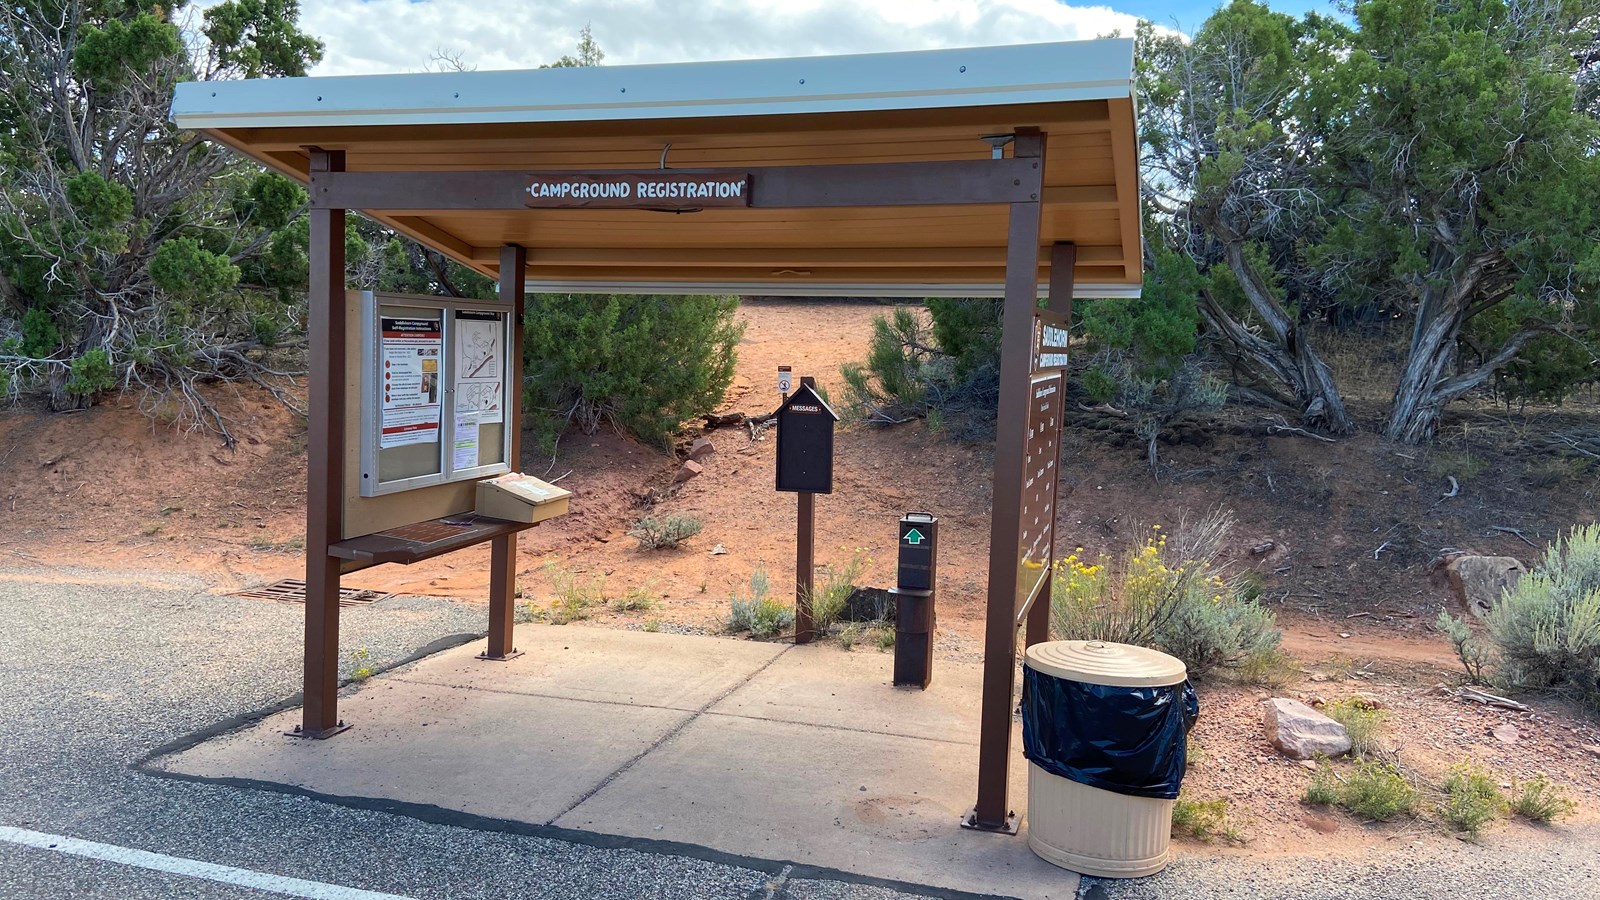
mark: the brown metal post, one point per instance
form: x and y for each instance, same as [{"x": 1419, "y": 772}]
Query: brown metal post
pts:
[
  {"x": 1063, "y": 257},
  {"x": 805, "y": 557},
  {"x": 325, "y": 324},
  {"x": 503, "y": 550},
  {"x": 992, "y": 811}
]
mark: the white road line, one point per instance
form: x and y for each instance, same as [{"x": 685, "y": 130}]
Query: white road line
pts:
[{"x": 192, "y": 868}]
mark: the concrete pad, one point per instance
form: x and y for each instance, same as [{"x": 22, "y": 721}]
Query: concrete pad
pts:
[
  {"x": 604, "y": 665},
  {"x": 489, "y": 753},
  {"x": 802, "y": 754},
  {"x": 819, "y": 685},
  {"x": 884, "y": 806}
]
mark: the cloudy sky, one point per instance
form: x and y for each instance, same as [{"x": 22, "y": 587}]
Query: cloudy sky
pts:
[{"x": 369, "y": 36}]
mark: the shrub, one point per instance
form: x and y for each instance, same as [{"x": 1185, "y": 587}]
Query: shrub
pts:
[
  {"x": 1547, "y": 627},
  {"x": 1270, "y": 668},
  {"x": 848, "y": 635},
  {"x": 886, "y": 638},
  {"x": 1200, "y": 819},
  {"x": 635, "y": 599},
  {"x": 759, "y": 614},
  {"x": 902, "y": 366},
  {"x": 945, "y": 369},
  {"x": 1540, "y": 800},
  {"x": 1471, "y": 800},
  {"x": 1473, "y": 654},
  {"x": 1361, "y": 720},
  {"x": 838, "y": 584},
  {"x": 1377, "y": 791},
  {"x": 573, "y": 598},
  {"x": 1324, "y": 787},
  {"x": 1168, "y": 594},
  {"x": 361, "y": 667},
  {"x": 656, "y": 534},
  {"x": 642, "y": 364}
]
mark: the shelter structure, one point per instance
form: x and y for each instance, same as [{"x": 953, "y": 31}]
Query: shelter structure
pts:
[{"x": 1004, "y": 172}]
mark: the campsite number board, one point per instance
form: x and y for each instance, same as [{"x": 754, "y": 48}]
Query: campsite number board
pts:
[
  {"x": 433, "y": 391},
  {"x": 1040, "y": 474}
]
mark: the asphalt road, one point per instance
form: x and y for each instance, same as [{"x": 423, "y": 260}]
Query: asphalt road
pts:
[{"x": 96, "y": 676}]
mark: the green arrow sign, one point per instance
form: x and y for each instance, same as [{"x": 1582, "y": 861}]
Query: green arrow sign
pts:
[{"x": 914, "y": 537}]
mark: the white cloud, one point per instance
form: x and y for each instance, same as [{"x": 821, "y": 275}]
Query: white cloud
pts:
[{"x": 401, "y": 35}]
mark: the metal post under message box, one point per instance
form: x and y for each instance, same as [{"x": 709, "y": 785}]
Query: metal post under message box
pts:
[{"x": 913, "y": 593}]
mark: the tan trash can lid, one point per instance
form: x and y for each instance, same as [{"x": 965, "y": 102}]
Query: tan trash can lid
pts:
[{"x": 1100, "y": 662}]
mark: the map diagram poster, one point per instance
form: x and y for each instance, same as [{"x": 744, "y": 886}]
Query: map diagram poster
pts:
[
  {"x": 480, "y": 365},
  {"x": 410, "y": 353}
]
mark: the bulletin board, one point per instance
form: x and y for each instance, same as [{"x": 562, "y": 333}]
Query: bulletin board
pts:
[{"x": 431, "y": 385}]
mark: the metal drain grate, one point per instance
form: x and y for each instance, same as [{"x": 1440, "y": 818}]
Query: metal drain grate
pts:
[{"x": 293, "y": 590}]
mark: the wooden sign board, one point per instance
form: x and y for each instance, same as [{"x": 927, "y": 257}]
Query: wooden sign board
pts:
[
  {"x": 1049, "y": 341},
  {"x": 805, "y": 443},
  {"x": 1040, "y": 475},
  {"x": 637, "y": 190}
]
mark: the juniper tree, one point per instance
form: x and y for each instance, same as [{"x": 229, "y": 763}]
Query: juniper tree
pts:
[{"x": 134, "y": 254}]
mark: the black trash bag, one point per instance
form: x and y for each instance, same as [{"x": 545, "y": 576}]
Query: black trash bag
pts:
[{"x": 1129, "y": 740}]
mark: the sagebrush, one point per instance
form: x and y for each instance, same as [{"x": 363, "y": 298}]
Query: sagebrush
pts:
[
  {"x": 663, "y": 533},
  {"x": 758, "y": 612},
  {"x": 1546, "y": 629},
  {"x": 1168, "y": 593}
]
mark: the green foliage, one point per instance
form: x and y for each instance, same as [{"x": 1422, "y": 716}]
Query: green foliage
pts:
[
  {"x": 1155, "y": 333},
  {"x": 837, "y": 585},
  {"x": 90, "y": 374},
  {"x": 40, "y": 337},
  {"x": 1475, "y": 657},
  {"x": 903, "y": 375},
  {"x": 257, "y": 39},
  {"x": 1471, "y": 175},
  {"x": 886, "y": 635},
  {"x": 1324, "y": 789},
  {"x": 644, "y": 364},
  {"x": 1471, "y": 800},
  {"x": 656, "y": 534},
  {"x": 1167, "y": 593},
  {"x": 111, "y": 52},
  {"x": 967, "y": 330},
  {"x": 1362, "y": 720},
  {"x": 573, "y": 598},
  {"x": 1377, "y": 791},
  {"x": 361, "y": 667},
  {"x": 1547, "y": 628},
  {"x": 188, "y": 271},
  {"x": 128, "y": 246},
  {"x": 1540, "y": 800},
  {"x": 589, "y": 53},
  {"x": 99, "y": 202},
  {"x": 849, "y": 635},
  {"x": 635, "y": 599},
  {"x": 1202, "y": 820},
  {"x": 758, "y": 613}
]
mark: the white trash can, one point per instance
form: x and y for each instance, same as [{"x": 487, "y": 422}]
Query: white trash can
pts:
[{"x": 1088, "y": 829}]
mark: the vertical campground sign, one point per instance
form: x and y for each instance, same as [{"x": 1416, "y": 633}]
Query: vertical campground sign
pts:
[{"x": 1041, "y": 472}]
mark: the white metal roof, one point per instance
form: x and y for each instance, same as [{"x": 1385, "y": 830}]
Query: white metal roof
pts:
[
  {"x": 872, "y": 108},
  {"x": 927, "y": 79}
]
